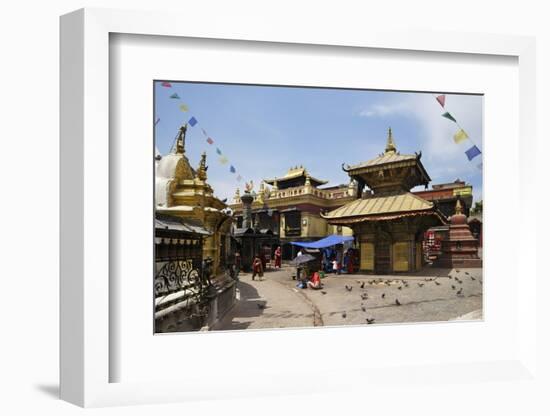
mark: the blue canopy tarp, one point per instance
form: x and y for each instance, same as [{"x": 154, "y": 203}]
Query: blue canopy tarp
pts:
[{"x": 331, "y": 240}]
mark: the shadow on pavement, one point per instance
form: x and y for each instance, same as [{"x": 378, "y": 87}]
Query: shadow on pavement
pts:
[{"x": 250, "y": 305}]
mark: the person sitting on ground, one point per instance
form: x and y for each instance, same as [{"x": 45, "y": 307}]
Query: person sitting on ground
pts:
[{"x": 315, "y": 281}]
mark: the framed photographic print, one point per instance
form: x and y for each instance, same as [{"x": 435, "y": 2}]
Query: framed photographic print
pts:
[{"x": 275, "y": 205}]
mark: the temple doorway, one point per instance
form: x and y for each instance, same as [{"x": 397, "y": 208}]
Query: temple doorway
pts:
[{"x": 382, "y": 256}]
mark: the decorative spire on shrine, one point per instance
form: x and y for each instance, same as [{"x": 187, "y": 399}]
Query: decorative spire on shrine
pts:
[
  {"x": 201, "y": 171},
  {"x": 458, "y": 207},
  {"x": 237, "y": 196},
  {"x": 390, "y": 145},
  {"x": 180, "y": 141},
  {"x": 308, "y": 180}
]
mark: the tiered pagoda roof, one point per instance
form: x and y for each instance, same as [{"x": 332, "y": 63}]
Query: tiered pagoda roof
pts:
[
  {"x": 390, "y": 171},
  {"x": 390, "y": 176},
  {"x": 296, "y": 176}
]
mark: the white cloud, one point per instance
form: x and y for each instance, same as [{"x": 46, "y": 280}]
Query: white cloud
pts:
[
  {"x": 444, "y": 159},
  {"x": 384, "y": 110}
]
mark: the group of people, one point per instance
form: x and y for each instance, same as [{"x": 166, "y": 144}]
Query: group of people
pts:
[
  {"x": 259, "y": 262},
  {"x": 332, "y": 261}
]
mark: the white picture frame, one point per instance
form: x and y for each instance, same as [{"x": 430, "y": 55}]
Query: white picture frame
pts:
[{"x": 85, "y": 352}]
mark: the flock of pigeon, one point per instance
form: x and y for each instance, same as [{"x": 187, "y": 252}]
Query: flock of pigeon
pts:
[{"x": 404, "y": 284}]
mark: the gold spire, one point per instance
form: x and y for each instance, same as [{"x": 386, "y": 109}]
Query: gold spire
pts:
[
  {"x": 201, "y": 171},
  {"x": 458, "y": 207},
  {"x": 390, "y": 145},
  {"x": 180, "y": 141}
]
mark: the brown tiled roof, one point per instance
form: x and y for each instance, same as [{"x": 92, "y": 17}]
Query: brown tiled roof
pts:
[
  {"x": 382, "y": 205},
  {"x": 389, "y": 157}
]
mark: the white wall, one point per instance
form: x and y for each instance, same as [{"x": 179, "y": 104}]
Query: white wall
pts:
[{"x": 29, "y": 174}]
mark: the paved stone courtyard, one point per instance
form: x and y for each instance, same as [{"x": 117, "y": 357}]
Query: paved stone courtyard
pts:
[{"x": 432, "y": 295}]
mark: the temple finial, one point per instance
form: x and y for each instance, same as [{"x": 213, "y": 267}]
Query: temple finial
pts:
[
  {"x": 201, "y": 171},
  {"x": 458, "y": 207},
  {"x": 390, "y": 145},
  {"x": 180, "y": 141}
]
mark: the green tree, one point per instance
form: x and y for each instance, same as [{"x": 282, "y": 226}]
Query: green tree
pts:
[{"x": 477, "y": 208}]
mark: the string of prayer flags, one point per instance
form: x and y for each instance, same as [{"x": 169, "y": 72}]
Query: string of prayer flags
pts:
[
  {"x": 472, "y": 152},
  {"x": 193, "y": 122},
  {"x": 449, "y": 116},
  {"x": 460, "y": 136}
]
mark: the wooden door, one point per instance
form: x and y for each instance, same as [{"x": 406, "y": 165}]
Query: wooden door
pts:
[{"x": 382, "y": 257}]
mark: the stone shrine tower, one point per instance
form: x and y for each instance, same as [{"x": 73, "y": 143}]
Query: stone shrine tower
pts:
[{"x": 459, "y": 248}]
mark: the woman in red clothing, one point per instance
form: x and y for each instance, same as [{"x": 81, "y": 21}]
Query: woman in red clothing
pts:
[
  {"x": 315, "y": 281},
  {"x": 278, "y": 256},
  {"x": 351, "y": 259}
]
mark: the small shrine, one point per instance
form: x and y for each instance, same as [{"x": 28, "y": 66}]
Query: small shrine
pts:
[
  {"x": 250, "y": 240},
  {"x": 460, "y": 247},
  {"x": 388, "y": 221}
]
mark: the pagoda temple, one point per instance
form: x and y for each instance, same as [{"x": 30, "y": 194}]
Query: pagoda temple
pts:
[
  {"x": 388, "y": 220},
  {"x": 459, "y": 248}
]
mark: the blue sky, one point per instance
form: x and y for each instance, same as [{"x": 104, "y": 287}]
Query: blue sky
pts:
[{"x": 263, "y": 131}]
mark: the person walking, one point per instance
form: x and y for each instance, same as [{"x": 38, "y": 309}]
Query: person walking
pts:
[
  {"x": 278, "y": 257},
  {"x": 257, "y": 268}
]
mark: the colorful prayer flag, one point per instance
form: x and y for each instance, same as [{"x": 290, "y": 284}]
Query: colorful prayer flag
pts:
[
  {"x": 218, "y": 151},
  {"x": 223, "y": 160},
  {"x": 175, "y": 96},
  {"x": 232, "y": 169},
  {"x": 449, "y": 116},
  {"x": 472, "y": 152},
  {"x": 193, "y": 121},
  {"x": 460, "y": 136},
  {"x": 166, "y": 84},
  {"x": 441, "y": 100},
  {"x": 209, "y": 141},
  {"x": 239, "y": 177},
  {"x": 204, "y": 132},
  {"x": 185, "y": 109}
]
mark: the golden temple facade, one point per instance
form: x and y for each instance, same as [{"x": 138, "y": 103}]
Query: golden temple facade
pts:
[
  {"x": 291, "y": 206},
  {"x": 183, "y": 192}
]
